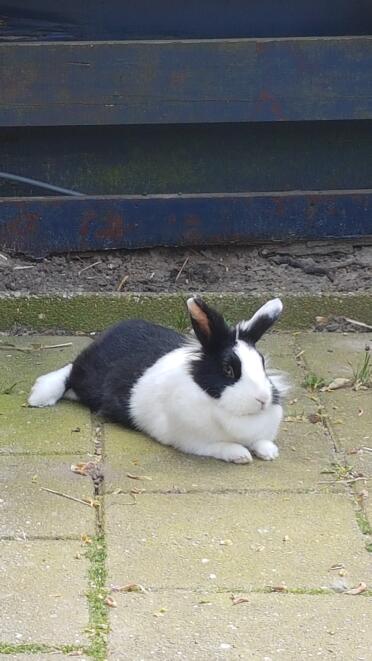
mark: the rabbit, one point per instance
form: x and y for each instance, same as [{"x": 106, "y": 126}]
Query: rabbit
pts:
[{"x": 206, "y": 395}]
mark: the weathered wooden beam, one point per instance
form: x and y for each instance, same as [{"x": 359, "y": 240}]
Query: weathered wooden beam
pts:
[
  {"x": 145, "y": 82},
  {"x": 164, "y": 19},
  {"x": 40, "y": 226}
]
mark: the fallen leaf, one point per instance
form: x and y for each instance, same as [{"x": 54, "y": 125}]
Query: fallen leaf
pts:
[
  {"x": 362, "y": 496},
  {"x": 358, "y": 589},
  {"x": 130, "y": 587},
  {"x": 225, "y": 542},
  {"x": 239, "y": 600},
  {"x": 337, "y": 566},
  {"x": 314, "y": 418},
  {"x": 86, "y": 539},
  {"x": 278, "y": 588},
  {"x": 360, "y": 412},
  {"x": 109, "y": 601},
  {"x": 83, "y": 468},
  {"x": 138, "y": 477},
  {"x": 76, "y": 430},
  {"x": 117, "y": 492},
  {"x": 339, "y": 382}
]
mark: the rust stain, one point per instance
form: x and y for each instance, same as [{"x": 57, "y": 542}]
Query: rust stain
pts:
[
  {"x": 87, "y": 219},
  {"x": 274, "y": 105},
  {"x": 178, "y": 78},
  {"x": 279, "y": 203},
  {"x": 192, "y": 220},
  {"x": 112, "y": 229}
]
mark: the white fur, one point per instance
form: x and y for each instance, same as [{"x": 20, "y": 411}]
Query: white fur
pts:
[
  {"x": 271, "y": 309},
  {"x": 167, "y": 404},
  {"x": 49, "y": 388}
]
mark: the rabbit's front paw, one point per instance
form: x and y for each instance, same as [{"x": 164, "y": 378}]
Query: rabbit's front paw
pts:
[
  {"x": 231, "y": 452},
  {"x": 266, "y": 450}
]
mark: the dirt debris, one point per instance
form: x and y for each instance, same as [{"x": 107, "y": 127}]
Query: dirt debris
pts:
[{"x": 313, "y": 267}]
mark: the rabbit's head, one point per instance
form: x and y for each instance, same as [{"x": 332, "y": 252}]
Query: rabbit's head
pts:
[{"x": 228, "y": 366}]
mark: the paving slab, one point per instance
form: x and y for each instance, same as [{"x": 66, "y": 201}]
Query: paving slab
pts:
[
  {"x": 42, "y": 592},
  {"x": 233, "y": 541},
  {"x": 206, "y": 626},
  {"x": 304, "y": 452},
  {"x": 305, "y": 448},
  {"x": 26, "y": 511},
  {"x": 64, "y": 428},
  {"x": 23, "y": 361}
]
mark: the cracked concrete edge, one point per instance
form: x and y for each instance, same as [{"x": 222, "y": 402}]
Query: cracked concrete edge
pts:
[{"x": 87, "y": 312}]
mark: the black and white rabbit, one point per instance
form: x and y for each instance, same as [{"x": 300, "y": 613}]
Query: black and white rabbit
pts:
[{"x": 208, "y": 395}]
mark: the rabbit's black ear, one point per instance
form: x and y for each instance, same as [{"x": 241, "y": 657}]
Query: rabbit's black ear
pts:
[
  {"x": 253, "y": 329},
  {"x": 209, "y": 325}
]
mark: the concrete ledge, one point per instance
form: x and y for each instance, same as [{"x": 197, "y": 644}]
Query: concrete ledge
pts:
[{"x": 93, "y": 312}]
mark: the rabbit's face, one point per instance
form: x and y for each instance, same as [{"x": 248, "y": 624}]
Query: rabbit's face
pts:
[
  {"x": 229, "y": 367},
  {"x": 252, "y": 392}
]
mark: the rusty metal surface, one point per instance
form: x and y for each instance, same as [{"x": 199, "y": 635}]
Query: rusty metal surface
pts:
[
  {"x": 144, "y": 82},
  {"x": 40, "y": 226}
]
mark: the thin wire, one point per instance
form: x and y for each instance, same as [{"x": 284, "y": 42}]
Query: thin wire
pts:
[{"x": 40, "y": 184}]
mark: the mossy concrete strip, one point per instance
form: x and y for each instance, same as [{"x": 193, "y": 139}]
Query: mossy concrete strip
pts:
[
  {"x": 93, "y": 312},
  {"x": 34, "y": 655},
  {"x": 42, "y": 592},
  {"x": 200, "y": 627},
  {"x": 26, "y": 511},
  {"x": 179, "y": 541}
]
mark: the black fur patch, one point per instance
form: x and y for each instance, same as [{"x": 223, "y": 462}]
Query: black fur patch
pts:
[
  {"x": 276, "y": 398},
  {"x": 104, "y": 374},
  {"x": 209, "y": 371}
]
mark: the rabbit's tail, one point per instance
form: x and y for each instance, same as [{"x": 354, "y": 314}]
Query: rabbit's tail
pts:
[{"x": 51, "y": 387}]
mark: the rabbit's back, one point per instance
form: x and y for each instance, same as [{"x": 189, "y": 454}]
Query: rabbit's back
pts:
[{"x": 104, "y": 373}]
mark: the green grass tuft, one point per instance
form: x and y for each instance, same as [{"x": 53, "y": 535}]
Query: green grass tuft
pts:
[
  {"x": 362, "y": 374},
  {"x": 363, "y": 523},
  {"x": 313, "y": 382}
]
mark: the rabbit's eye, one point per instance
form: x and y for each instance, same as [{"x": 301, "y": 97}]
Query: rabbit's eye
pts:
[{"x": 229, "y": 372}]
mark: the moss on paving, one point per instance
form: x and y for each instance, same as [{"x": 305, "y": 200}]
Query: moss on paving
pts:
[
  {"x": 363, "y": 523},
  {"x": 88, "y": 312},
  {"x": 36, "y": 648},
  {"x": 98, "y": 617}
]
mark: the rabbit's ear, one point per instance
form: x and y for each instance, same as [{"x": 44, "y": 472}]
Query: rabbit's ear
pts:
[
  {"x": 253, "y": 329},
  {"x": 209, "y": 325}
]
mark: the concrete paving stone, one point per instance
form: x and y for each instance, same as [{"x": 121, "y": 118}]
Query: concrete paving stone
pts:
[
  {"x": 25, "y": 511},
  {"x": 328, "y": 354},
  {"x": 304, "y": 453},
  {"x": 64, "y": 428},
  {"x": 305, "y": 449},
  {"x": 350, "y": 412},
  {"x": 42, "y": 592},
  {"x": 23, "y": 368},
  {"x": 206, "y": 626},
  {"x": 234, "y": 541},
  {"x": 23, "y": 429}
]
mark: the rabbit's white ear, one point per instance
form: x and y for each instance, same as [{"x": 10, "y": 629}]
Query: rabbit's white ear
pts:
[{"x": 253, "y": 329}]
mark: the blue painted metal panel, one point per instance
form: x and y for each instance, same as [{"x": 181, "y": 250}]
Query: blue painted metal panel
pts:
[
  {"x": 146, "y": 19},
  {"x": 186, "y": 82},
  {"x": 39, "y": 226}
]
